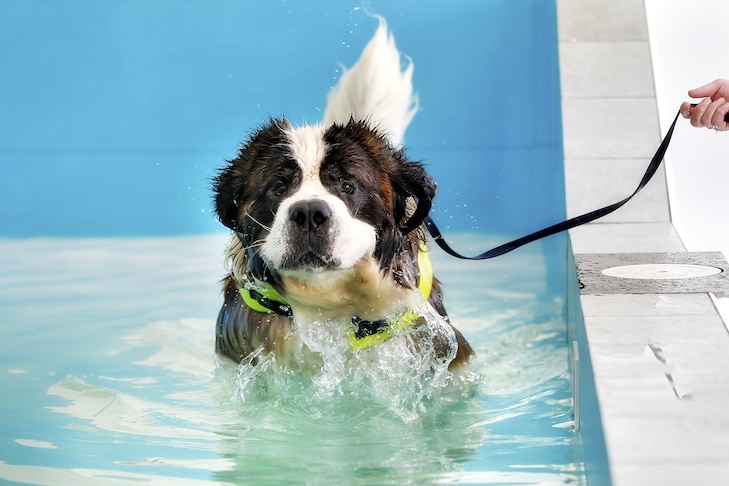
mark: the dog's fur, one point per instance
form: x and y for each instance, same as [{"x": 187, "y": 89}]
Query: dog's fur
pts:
[{"x": 330, "y": 215}]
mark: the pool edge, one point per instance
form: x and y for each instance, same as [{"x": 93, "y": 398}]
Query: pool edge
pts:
[{"x": 655, "y": 428}]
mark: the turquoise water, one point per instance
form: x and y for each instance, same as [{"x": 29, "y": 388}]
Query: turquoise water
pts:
[
  {"x": 115, "y": 117},
  {"x": 109, "y": 377}
]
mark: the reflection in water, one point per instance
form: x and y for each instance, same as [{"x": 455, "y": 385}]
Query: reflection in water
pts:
[{"x": 146, "y": 400}]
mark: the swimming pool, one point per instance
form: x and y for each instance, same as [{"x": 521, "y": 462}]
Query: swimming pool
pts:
[
  {"x": 108, "y": 374},
  {"x": 118, "y": 116}
]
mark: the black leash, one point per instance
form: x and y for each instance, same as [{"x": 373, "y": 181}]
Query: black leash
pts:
[{"x": 564, "y": 225}]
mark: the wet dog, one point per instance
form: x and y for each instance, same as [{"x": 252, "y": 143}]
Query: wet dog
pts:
[{"x": 327, "y": 226}]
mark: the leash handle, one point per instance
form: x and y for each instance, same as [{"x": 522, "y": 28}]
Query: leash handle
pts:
[{"x": 564, "y": 225}]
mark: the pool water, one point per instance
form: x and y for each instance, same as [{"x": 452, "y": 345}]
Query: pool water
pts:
[
  {"x": 116, "y": 115},
  {"x": 109, "y": 377}
]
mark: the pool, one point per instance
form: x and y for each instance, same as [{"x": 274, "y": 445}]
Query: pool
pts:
[
  {"x": 108, "y": 373},
  {"x": 117, "y": 117}
]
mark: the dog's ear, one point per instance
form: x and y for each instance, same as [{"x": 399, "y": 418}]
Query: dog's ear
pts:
[
  {"x": 234, "y": 181},
  {"x": 418, "y": 184},
  {"x": 225, "y": 187},
  {"x": 411, "y": 183}
]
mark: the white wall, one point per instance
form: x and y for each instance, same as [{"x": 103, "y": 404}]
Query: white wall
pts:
[{"x": 689, "y": 47}]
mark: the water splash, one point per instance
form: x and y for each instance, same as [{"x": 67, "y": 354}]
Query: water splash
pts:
[{"x": 403, "y": 376}]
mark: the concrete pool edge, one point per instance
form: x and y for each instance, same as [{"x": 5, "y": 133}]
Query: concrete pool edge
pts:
[{"x": 657, "y": 360}]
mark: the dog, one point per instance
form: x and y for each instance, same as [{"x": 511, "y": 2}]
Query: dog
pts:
[{"x": 327, "y": 226}]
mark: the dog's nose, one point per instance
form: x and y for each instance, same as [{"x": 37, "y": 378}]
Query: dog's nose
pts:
[{"x": 310, "y": 215}]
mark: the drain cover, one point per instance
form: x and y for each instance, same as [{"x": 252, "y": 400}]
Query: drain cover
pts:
[{"x": 661, "y": 271}]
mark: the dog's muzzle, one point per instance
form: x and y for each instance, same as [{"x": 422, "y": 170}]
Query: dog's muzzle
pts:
[
  {"x": 310, "y": 230},
  {"x": 311, "y": 217}
]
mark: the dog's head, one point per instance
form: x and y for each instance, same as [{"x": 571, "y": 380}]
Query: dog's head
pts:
[{"x": 316, "y": 199}]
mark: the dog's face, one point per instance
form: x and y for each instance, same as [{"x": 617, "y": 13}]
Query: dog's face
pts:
[{"x": 312, "y": 200}]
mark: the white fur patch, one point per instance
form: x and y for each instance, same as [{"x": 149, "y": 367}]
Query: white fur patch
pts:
[{"x": 353, "y": 240}]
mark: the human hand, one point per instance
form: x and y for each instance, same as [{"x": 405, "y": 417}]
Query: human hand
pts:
[{"x": 713, "y": 110}]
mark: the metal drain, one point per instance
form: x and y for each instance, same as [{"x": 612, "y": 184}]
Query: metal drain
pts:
[{"x": 661, "y": 271}]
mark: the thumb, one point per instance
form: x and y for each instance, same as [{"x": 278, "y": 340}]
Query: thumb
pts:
[{"x": 707, "y": 90}]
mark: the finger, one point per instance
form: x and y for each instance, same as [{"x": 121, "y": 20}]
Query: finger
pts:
[
  {"x": 706, "y": 118},
  {"x": 685, "y": 109},
  {"x": 698, "y": 112},
  {"x": 707, "y": 90},
  {"x": 720, "y": 116}
]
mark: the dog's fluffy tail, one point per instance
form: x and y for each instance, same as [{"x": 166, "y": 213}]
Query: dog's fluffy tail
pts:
[{"x": 376, "y": 89}]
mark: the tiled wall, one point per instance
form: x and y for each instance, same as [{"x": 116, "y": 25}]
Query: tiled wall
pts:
[{"x": 610, "y": 120}]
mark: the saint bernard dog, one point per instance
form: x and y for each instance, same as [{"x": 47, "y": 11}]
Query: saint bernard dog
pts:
[{"x": 327, "y": 226}]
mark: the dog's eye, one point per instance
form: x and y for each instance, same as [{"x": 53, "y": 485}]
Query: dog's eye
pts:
[
  {"x": 347, "y": 187},
  {"x": 279, "y": 189}
]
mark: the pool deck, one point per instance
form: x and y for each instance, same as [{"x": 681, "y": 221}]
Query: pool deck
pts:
[{"x": 659, "y": 349}]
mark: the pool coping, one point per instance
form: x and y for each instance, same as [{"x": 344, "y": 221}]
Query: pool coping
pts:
[
  {"x": 657, "y": 361},
  {"x": 655, "y": 357}
]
